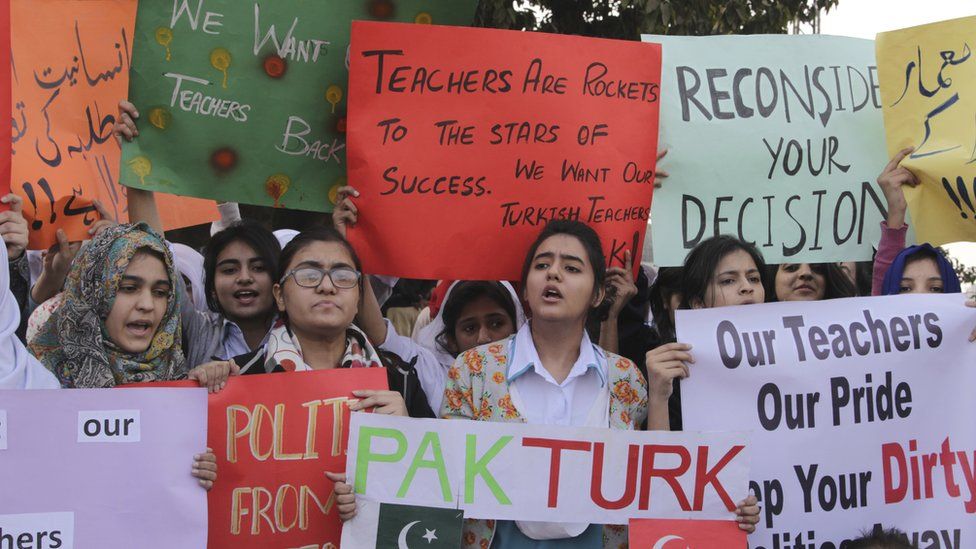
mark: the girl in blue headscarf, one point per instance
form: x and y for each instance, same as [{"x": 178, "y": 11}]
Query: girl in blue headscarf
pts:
[
  {"x": 901, "y": 270},
  {"x": 920, "y": 269},
  {"x": 916, "y": 269}
]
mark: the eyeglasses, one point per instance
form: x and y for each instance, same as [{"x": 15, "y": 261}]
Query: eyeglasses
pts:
[{"x": 311, "y": 277}]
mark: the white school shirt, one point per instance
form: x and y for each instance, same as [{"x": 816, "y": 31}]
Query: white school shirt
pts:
[
  {"x": 233, "y": 342},
  {"x": 542, "y": 400}
]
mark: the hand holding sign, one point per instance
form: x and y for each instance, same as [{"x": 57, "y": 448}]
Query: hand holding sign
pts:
[
  {"x": 346, "y": 212},
  {"x": 13, "y": 226},
  {"x": 891, "y": 180},
  {"x": 509, "y": 131}
]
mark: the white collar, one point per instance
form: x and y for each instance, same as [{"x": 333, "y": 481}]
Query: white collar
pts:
[{"x": 525, "y": 358}]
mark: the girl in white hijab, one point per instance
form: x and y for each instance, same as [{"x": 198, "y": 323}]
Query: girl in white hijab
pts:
[
  {"x": 18, "y": 368},
  {"x": 189, "y": 263},
  {"x": 473, "y": 313}
]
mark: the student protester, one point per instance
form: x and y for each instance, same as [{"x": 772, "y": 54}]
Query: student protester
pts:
[
  {"x": 318, "y": 291},
  {"x": 119, "y": 321},
  {"x": 238, "y": 264},
  {"x": 469, "y": 314},
  {"x": 664, "y": 298},
  {"x": 405, "y": 303},
  {"x": 189, "y": 263},
  {"x": 719, "y": 272},
  {"x": 808, "y": 282},
  {"x": 917, "y": 269},
  {"x": 530, "y": 376},
  {"x": 18, "y": 367},
  {"x": 473, "y": 313},
  {"x": 859, "y": 272}
]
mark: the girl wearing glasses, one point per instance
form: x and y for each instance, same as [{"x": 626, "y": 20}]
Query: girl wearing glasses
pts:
[{"x": 318, "y": 292}]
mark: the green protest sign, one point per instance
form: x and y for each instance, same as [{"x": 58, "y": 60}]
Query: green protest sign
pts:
[
  {"x": 246, "y": 101},
  {"x": 777, "y": 140}
]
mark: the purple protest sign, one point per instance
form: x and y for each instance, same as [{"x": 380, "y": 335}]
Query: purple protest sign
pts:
[{"x": 92, "y": 468}]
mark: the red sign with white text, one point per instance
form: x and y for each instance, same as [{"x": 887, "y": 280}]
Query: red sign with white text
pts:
[
  {"x": 464, "y": 142},
  {"x": 686, "y": 534}
]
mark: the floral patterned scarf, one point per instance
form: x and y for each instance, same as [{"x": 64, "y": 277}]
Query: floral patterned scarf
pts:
[
  {"x": 284, "y": 350},
  {"x": 74, "y": 344}
]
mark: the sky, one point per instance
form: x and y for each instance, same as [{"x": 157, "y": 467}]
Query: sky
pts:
[{"x": 866, "y": 18}]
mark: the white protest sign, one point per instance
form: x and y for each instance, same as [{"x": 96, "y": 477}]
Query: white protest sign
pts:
[
  {"x": 861, "y": 411},
  {"x": 775, "y": 139},
  {"x": 511, "y": 471}
]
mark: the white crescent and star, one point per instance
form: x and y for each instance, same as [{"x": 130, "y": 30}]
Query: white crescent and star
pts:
[
  {"x": 430, "y": 535},
  {"x": 659, "y": 544}
]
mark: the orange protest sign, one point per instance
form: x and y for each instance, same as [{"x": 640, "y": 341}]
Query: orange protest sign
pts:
[
  {"x": 5, "y": 97},
  {"x": 69, "y": 69},
  {"x": 464, "y": 142}
]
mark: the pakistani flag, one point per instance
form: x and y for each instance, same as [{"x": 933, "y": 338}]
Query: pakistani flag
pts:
[{"x": 410, "y": 527}]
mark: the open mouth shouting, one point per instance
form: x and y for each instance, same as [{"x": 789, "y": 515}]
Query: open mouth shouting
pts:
[
  {"x": 550, "y": 294},
  {"x": 246, "y": 297},
  {"x": 140, "y": 328}
]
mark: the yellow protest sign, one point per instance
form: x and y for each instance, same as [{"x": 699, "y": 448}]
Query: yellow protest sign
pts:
[{"x": 928, "y": 90}]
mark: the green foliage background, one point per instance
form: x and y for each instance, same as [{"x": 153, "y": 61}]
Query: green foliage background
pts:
[{"x": 628, "y": 19}]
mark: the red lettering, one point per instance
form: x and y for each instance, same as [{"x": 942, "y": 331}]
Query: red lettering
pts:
[
  {"x": 669, "y": 476},
  {"x": 894, "y": 494},
  {"x": 705, "y": 477},
  {"x": 596, "y": 481},
  {"x": 556, "y": 448}
]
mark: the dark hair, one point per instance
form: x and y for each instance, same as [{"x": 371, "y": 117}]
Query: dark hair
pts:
[
  {"x": 666, "y": 285},
  {"x": 309, "y": 236},
  {"x": 880, "y": 538},
  {"x": 409, "y": 293},
  {"x": 585, "y": 235},
  {"x": 920, "y": 254},
  {"x": 464, "y": 293},
  {"x": 261, "y": 240},
  {"x": 836, "y": 283},
  {"x": 864, "y": 271},
  {"x": 304, "y": 239},
  {"x": 701, "y": 262}
]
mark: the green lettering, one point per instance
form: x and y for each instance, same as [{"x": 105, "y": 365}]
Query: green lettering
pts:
[
  {"x": 364, "y": 454},
  {"x": 437, "y": 463},
  {"x": 474, "y": 467}
]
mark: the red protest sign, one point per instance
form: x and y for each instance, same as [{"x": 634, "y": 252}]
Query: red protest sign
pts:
[
  {"x": 685, "y": 534},
  {"x": 463, "y": 142},
  {"x": 274, "y": 436}
]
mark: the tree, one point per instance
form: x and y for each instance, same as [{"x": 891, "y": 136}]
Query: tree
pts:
[
  {"x": 628, "y": 19},
  {"x": 967, "y": 275}
]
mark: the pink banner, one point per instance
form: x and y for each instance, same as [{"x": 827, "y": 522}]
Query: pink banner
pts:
[{"x": 95, "y": 468}]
